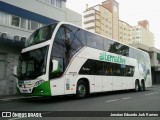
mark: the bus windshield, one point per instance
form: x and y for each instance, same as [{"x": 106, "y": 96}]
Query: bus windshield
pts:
[
  {"x": 41, "y": 35},
  {"x": 32, "y": 64}
]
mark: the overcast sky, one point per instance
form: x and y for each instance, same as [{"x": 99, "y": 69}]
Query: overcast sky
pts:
[{"x": 130, "y": 11}]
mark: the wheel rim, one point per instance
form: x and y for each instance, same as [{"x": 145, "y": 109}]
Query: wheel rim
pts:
[{"x": 81, "y": 90}]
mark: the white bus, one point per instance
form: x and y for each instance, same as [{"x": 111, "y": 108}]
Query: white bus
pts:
[{"x": 62, "y": 59}]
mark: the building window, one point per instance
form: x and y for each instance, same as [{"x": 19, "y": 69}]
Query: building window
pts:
[
  {"x": 2, "y": 66},
  {"x": 15, "y": 21},
  {"x": 23, "y": 23},
  {"x": 53, "y": 2},
  {"x": 4, "y": 18},
  {"x": 158, "y": 58},
  {"x": 48, "y": 1},
  {"x": 32, "y": 25},
  {"x": 58, "y": 3},
  {"x": 19, "y": 22}
]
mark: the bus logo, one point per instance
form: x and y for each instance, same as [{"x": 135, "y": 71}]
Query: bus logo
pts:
[{"x": 111, "y": 58}]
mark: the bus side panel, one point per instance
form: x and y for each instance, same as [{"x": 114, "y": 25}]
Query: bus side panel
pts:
[
  {"x": 70, "y": 84},
  {"x": 117, "y": 82},
  {"x": 72, "y": 72},
  {"x": 128, "y": 83},
  {"x": 107, "y": 83},
  {"x": 148, "y": 81},
  {"x": 57, "y": 86},
  {"x": 98, "y": 80}
]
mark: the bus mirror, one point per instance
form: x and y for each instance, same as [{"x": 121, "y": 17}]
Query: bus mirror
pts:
[
  {"x": 15, "y": 71},
  {"x": 55, "y": 65}
]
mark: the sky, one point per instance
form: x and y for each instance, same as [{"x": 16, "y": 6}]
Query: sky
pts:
[{"x": 130, "y": 11}]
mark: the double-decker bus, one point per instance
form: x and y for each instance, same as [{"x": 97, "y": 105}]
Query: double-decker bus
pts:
[{"x": 62, "y": 59}]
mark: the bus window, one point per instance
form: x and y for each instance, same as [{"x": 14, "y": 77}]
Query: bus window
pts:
[
  {"x": 94, "y": 41},
  {"x": 131, "y": 53},
  {"x": 98, "y": 67},
  {"x": 108, "y": 68},
  {"x": 41, "y": 35},
  {"x": 114, "y": 48},
  {"x": 116, "y": 70},
  {"x": 87, "y": 68},
  {"x": 56, "y": 67},
  {"x": 124, "y": 50},
  {"x": 107, "y": 44}
]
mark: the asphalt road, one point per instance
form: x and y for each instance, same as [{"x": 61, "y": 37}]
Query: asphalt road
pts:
[{"x": 148, "y": 100}]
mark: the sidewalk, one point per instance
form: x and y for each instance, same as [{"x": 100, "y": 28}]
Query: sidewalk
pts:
[{"x": 15, "y": 97}]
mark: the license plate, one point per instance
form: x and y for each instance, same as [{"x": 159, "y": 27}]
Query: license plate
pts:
[{"x": 24, "y": 91}]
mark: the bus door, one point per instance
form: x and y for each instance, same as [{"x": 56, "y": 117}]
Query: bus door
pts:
[{"x": 56, "y": 76}]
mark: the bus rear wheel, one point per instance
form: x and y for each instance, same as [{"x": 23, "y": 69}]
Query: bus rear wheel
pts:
[
  {"x": 142, "y": 86},
  {"x": 137, "y": 86},
  {"x": 81, "y": 91}
]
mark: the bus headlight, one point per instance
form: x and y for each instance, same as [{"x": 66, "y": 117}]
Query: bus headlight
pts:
[{"x": 38, "y": 83}]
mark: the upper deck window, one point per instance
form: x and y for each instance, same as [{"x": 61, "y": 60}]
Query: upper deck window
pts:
[{"x": 41, "y": 35}]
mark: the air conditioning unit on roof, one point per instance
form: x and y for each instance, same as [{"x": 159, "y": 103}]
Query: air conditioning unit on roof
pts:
[
  {"x": 23, "y": 39},
  {"x": 4, "y": 35},
  {"x": 17, "y": 37}
]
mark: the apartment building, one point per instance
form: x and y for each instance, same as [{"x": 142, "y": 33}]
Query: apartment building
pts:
[
  {"x": 113, "y": 6},
  {"x": 103, "y": 19},
  {"x": 98, "y": 19},
  {"x": 141, "y": 34},
  {"x": 125, "y": 32}
]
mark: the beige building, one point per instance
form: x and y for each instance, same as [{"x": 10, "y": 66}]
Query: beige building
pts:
[
  {"x": 141, "y": 34},
  {"x": 103, "y": 19},
  {"x": 98, "y": 19},
  {"x": 124, "y": 32},
  {"x": 113, "y": 6}
]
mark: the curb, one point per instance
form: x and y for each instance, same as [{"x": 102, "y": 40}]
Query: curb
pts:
[{"x": 16, "y": 98}]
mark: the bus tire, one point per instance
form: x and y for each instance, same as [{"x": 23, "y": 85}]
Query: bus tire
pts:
[
  {"x": 143, "y": 86},
  {"x": 137, "y": 86},
  {"x": 81, "y": 91}
]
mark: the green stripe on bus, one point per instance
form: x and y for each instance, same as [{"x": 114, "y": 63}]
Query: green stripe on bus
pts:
[{"x": 43, "y": 89}]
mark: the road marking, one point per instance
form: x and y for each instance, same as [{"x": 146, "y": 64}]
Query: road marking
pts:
[
  {"x": 61, "y": 109},
  {"x": 151, "y": 93},
  {"x": 126, "y": 98},
  {"x": 112, "y": 100}
]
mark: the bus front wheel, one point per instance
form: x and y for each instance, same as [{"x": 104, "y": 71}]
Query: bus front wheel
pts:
[{"x": 81, "y": 91}]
